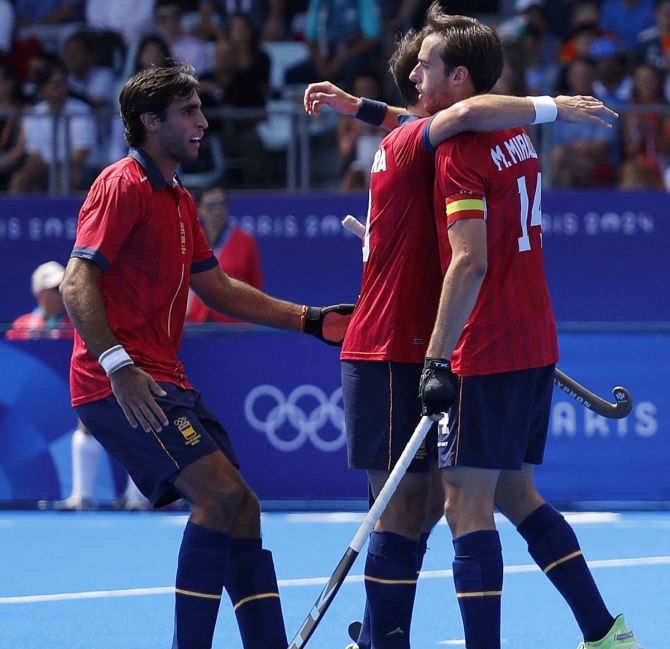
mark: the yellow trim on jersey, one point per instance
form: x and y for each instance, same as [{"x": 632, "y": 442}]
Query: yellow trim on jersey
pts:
[
  {"x": 253, "y": 598},
  {"x": 465, "y": 204},
  {"x": 377, "y": 580},
  {"x": 480, "y": 593},
  {"x": 193, "y": 593},
  {"x": 558, "y": 562}
]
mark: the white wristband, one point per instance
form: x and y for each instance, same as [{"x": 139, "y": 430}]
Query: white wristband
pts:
[
  {"x": 114, "y": 359},
  {"x": 545, "y": 109}
]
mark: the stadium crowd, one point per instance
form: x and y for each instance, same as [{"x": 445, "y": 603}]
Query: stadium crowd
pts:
[{"x": 254, "y": 57}]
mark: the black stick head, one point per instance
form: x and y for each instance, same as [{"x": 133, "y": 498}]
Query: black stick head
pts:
[{"x": 624, "y": 402}]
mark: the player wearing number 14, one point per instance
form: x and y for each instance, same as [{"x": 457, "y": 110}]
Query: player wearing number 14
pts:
[
  {"x": 491, "y": 357},
  {"x": 495, "y": 178}
]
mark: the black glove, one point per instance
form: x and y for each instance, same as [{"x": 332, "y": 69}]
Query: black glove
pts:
[
  {"x": 315, "y": 315},
  {"x": 437, "y": 388}
]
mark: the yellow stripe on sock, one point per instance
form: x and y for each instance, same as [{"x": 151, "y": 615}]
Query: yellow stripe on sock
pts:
[
  {"x": 558, "y": 562},
  {"x": 193, "y": 593},
  {"x": 480, "y": 593},
  {"x": 406, "y": 582},
  {"x": 253, "y": 598}
]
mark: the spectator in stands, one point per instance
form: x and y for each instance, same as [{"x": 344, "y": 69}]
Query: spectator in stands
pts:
[
  {"x": 542, "y": 72},
  {"x": 397, "y": 17},
  {"x": 584, "y": 29},
  {"x": 650, "y": 40},
  {"x": 540, "y": 47},
  {"x": 130, "y": 18},
  {"x": 49, "y": 318},
  {"x": 625, "y": 19},
  {"x": 239, "y": 80},
  {"x": 6, "y": 26},
  {"x": 53, "y": 141},
  {"x": 12, "y": 141},
  {"x": 252, "y": 61},
  {"x": 152, "y": 50},
  {"x": 184, "y": 47},
  {"x": 639, "y": 174},
  {"x": 646, "y": 135},
  {"x": 613, "y": 85},
  {"x": 38, "y": 64},
  {"x": 531, "y": 16},
  {"x": 48, "y": 12},
  {"x": 267, "y": 17},
  {"x": 512, "y": 81},
  {"x": 357, "y": 142},
  {"x": 235, "y": 249},
  {"x": 93, "y": 83},
  {"x": 343, "y": 36},
  {"x": 582, "y": 155}
]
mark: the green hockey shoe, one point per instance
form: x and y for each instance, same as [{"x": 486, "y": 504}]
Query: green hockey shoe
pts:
[{"x": 618, "y": 637}]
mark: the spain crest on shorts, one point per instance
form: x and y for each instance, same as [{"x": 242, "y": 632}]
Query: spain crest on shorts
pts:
[{"x": 191, "y": 435}]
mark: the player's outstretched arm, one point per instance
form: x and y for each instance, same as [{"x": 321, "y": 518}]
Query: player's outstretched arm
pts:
[
  {"x": 244, "y": 302},
  {"x": 492, "y": 112},
  {"x": 325, "y": 93},
  {"x": 583, "y": 108}
]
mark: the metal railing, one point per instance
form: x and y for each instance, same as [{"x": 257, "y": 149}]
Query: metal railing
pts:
[{"x": 288, "y": 144}]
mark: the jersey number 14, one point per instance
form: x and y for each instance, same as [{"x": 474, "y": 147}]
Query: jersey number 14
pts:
[{"x": 535, "y": 211}]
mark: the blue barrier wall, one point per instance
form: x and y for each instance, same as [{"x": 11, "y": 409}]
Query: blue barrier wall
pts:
[
  {"x": 284, "y": 413},
  {"x": 605, "y": 252},
  {"x": 606, "y": 261}
]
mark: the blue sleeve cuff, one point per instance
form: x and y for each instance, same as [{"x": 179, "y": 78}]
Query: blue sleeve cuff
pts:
[
  {"x": 425, "y": 136},
  {"x": 205, "y": 264},
  {"x": 92, "y": 255}
]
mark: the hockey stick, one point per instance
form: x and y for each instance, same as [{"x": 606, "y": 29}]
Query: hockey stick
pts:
[
  {"x": 618, "y": 410},
  {"x": 623, "y": 399},
  {"x": 337, "y": 578}
]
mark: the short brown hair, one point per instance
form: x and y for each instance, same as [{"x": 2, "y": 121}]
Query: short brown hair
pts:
[
  {"x": 402, "y": 62},
  {"x": 470, "y": 43},
  {"x": 152, "y": 91}
]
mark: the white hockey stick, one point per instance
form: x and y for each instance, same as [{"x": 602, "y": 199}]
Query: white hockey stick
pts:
[
  {"x": 354, "y": 226},
  {"x": 337, "y": 578}
]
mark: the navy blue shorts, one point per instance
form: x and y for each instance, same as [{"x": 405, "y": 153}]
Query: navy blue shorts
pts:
[
  {"x": 152, "y": 459},
  {"x": 499, "y": 421},
  {"x": 381, "y": 411}
]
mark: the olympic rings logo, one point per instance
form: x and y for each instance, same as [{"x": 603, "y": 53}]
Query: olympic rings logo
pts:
[{"x": 307, "y": 423}]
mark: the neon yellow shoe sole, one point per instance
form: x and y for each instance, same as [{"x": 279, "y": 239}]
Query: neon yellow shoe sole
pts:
[{"x": 618, "y": 637}]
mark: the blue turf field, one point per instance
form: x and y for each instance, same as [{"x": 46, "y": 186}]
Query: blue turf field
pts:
[{"x": 103, "y": 581}]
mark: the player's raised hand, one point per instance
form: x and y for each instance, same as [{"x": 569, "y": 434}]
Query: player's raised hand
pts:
[
  {"x": 134, "y": 389},
  {"x": 328, "y": 323},
  {"x": 583, "y": 108},
  {"x": 325, "y": 93}
]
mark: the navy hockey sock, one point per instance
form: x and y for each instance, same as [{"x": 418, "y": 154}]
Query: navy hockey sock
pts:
[
  {"x": 390, "y": 586},
  {"x": 200, "y": 575},
  {"x": 554, "y": 546},
  {"x": 251, "y": 584},
  {"x": 364, "y": 641},
  {"x": 478, "y": 577}
]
